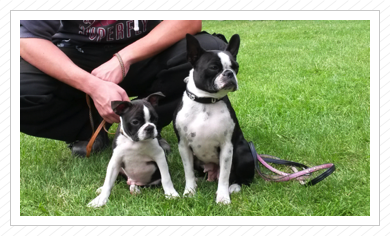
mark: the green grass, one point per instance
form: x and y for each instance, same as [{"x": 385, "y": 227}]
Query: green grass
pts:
[{"x": 303, "y": 96}]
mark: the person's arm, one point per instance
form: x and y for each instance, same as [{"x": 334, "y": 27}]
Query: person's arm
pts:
[
  {"x": 160, "y": 38},
  {"x": 44, "y": 55}
]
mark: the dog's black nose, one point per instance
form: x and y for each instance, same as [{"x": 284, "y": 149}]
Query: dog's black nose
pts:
[
  {"x": 149, "y": 128},
  {"x": 229, "y": 74}
]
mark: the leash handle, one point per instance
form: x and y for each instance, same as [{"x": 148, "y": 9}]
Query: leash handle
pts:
[
  {"x": 281, "y": 176},
  {"x": 96, "y": 132},
  {"x": 92, "y": 140}
]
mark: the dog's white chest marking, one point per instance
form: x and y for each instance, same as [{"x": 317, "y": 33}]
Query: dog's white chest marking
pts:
[
  {"x": 134, "y": 157},
  {"x": 205, "y": 127}
]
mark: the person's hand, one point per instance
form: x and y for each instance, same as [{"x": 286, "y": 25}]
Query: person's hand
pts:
[
  {"x": 104, "y": 93},
  {"x": 111, "y": 71}
]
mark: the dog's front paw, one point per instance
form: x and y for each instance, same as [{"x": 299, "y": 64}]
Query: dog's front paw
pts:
[
  {"x": 98, "y": 202},
  {"x": 189, "y": 192},
  {"x": 223, "y": 198},
  {"x": 171, "y": 194},
  {"x": 190, "y": 189}
]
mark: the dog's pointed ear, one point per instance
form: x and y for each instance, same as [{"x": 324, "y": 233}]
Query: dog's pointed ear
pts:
[
  {"x": 233, "y": 45},
  {"x": 194, "y": 50},
  {"x": 120, "y": 107},
  {"x": 154, "y": 98}
]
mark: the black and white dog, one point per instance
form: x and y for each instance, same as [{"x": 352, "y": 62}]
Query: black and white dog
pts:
[
  {"x": 210, "y": 138},
  {"x": 136, "y": 150}
]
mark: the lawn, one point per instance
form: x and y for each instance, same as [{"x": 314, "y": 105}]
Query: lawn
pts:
[{"x": 304, "y": 95}]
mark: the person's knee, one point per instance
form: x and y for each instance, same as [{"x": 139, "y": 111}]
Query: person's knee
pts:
[{"x": 211, "y": 42}]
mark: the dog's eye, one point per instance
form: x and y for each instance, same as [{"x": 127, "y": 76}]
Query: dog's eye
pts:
[
  {"x": 214, "y": 67},
  {"x": 235, "y": 66},
  {"x": 135, "y": 122}
]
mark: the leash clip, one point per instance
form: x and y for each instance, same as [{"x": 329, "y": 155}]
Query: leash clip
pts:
[{"x": 213, "y": 100}]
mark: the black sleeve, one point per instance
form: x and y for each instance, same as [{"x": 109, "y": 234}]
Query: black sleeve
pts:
[{"x": 44, "y": 29}]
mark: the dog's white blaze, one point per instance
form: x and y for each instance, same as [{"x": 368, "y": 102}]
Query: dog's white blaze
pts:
[
  {"x": 225, "y": 60},
  {"x": 141, "y": 132},
  {"x": 123, "y": 130},
  {"x": 146, "y": 114}
]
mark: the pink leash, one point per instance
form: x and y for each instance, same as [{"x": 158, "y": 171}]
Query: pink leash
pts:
[{"x": 298, "y": 175}]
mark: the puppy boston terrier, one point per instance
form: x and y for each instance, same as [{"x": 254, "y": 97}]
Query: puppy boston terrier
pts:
[
  {"x": 209, "y": 136},
  {"x": 136, "y": 150}
]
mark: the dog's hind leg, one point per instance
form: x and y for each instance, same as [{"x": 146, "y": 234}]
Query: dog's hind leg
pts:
[
  {"x": 243, "y": 171},
  {"x": 134, "y": 190}
]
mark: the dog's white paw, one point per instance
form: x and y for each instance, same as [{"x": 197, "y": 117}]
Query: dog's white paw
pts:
[
  {"x": 234, "y": 188},
  {"x": 189, "y": 192},
  {"x": 223, "y": 196},
  {"x": 223, "y": 199},
  {"x": 171, "y": 194},
  {"x": 98, "y": 202}
]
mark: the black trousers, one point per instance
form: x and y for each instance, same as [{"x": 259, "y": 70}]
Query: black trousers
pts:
[{"x": 52, "y": 109}]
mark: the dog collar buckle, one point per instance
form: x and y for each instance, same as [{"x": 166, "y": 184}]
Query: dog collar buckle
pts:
[
  {"x": 204, "y": 100},
  {"x": 192, "y": 97}
]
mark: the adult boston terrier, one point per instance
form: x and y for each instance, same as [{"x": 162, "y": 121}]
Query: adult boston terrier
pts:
[
  {"x": 209, "y": 136},
  {"x": 136, "y": 150}
]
